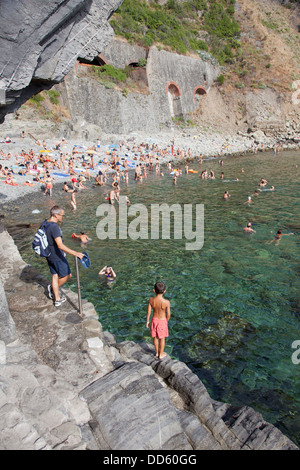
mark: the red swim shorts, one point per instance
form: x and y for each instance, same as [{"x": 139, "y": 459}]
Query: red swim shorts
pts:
[{"x": 159, "y": 328}]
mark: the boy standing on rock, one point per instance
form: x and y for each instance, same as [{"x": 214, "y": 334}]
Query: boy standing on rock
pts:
[{"x": 161, "y": 316}]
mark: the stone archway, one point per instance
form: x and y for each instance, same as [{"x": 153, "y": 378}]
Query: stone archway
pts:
[
  {"x": 174, "y": 98},
  {"x": 198, "y": 92},
  {"x": 99, "y": 60}
]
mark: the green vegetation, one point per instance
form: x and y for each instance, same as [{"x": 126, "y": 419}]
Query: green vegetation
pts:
[
  {"x": 142, "y": 62},
  {"x": 111, "y": 72},
  {"x": 221, "y": 79},
  {"x": 189, "y": 26},
  {"x": 48, "y": 106},
  {"x": 53, "y": 96},
  {"x": 110, "y": 77},
  {"x": 36, "y": 99},
  {"x": 239, "y": 85}
]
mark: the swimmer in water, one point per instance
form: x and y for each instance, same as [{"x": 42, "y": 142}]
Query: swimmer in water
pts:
[
  {"x": 249, "y": 229},
  {"x": 262, "y": 182},
  {"x": 109, "y": 273},
  {"x": 272, "y": 188},
  {"x": 226, "y": 195},
  {"x": 83, "y": 237},
  {"x": 278, "y": 237}
]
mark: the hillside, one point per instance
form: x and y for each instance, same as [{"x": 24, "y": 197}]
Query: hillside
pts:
[
  {"x": 270, "y": 44},
  {"x": 260, "y": 60},
  {"x": 269, "y": 60},
  {"x": 257, "y": 41}
]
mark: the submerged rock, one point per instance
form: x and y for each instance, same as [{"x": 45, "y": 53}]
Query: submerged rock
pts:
[{"x": 225, "y": 336}]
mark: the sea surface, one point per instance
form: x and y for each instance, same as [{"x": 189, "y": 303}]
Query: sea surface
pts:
[{"x": 235, "y": 303}]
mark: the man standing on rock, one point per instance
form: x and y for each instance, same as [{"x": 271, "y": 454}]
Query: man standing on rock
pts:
[{"x": 57, "y": 262}]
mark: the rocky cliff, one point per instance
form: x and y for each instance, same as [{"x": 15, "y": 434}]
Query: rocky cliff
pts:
[
  {"x": 260, "y": 91},
  {"x": 66, "y": 384},
  {"x": 41, "y": 42}
]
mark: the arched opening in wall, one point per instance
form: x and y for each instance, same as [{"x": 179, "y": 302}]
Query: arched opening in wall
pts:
[
  {"x": 174, "y": 98},
  {"x": 133, "y": 65},
  {"x": 98, "y": 60},
  {"x": 139, "y": 74},
  {"x": 199, "y": 91}
]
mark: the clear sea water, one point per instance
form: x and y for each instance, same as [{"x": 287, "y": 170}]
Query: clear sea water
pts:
[{"x": 235, "y": 304}]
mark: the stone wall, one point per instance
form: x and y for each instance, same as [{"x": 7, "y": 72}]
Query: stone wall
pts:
[
  {"x": 91, "y": 103},
  {"x": 185, "y": 73},
  {"x": 120, "y": 53}
]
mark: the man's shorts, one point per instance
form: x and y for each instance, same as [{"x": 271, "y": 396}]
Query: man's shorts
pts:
[
  {"x": 159, "y": 328},
  {"x": 60, "y": 267}
]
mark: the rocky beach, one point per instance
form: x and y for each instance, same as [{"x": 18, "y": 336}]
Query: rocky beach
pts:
[{"x": 208, "y": 143}]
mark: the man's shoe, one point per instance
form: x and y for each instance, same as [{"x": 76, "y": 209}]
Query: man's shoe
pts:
[
  {"x": 58, "y": 303},
  {"x": 50, "y": 292}
]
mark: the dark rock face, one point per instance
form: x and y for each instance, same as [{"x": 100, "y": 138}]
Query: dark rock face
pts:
[{"x": 40, "y": 42}]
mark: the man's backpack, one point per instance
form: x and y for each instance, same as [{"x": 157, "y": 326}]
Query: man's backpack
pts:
[{"x": 40, "y": 243}]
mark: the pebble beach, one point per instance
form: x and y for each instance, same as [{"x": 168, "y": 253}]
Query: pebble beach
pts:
[{"x": 169, "y": 146}]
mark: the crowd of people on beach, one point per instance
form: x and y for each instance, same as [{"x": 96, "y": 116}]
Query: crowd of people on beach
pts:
[{"x": 103, "y": 165}]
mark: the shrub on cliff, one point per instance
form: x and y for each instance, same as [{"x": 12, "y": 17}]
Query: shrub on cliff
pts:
[{"x": 178, "y": 25}]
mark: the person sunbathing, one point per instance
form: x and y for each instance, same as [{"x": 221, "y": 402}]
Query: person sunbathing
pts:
[{"x": 10, "y": 180}]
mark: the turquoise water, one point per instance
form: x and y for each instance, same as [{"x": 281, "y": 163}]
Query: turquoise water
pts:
[{"x": 235, "y": 304}]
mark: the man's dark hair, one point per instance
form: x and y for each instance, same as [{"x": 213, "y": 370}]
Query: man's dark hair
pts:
[{"x": 159, "y": 288}]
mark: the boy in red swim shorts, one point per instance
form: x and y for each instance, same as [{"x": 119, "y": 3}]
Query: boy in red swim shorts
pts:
[{"x": 161, "y": 316}]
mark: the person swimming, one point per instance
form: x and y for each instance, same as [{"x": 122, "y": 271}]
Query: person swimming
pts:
[
  {"x": 248, "y": 228},
  {"x": 109, "y": 273},
  {"x": 226, "y": 195},
  {"x": 82, "y": 236},
  {"x": 278, "y": 237}
]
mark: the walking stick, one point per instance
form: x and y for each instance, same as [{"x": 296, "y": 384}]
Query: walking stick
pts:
[{"x": 78, "y": 286}]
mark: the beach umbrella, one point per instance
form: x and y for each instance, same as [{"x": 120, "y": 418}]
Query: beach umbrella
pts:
[
  {"x": 113, "y": 146},
  {"x": 91, "y": 152},
  {"x": 44, "y": 151}
]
